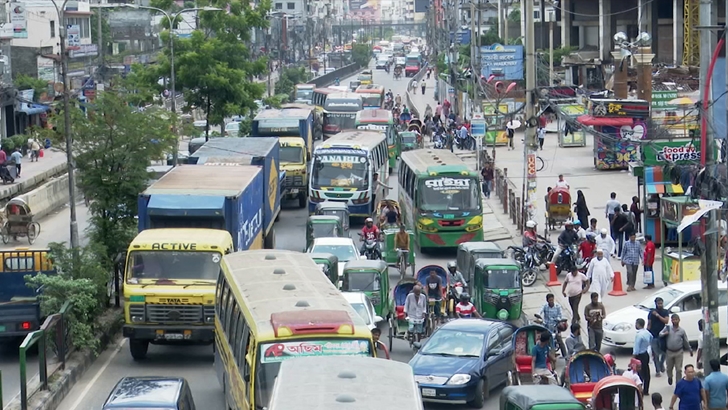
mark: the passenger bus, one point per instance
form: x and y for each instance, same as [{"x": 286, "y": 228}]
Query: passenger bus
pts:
[
  {"x": 272, "y": 306},
  {"x": 340, "y": 112},
  {"x": 169, "y": 286},
  {"x": 382, "y": 121},
  {"x": 439, "y": 196},
  {"x": 343, "y": 170},
  {"x": 320, "y": 383},
  {"x": 372, "y": 96}
]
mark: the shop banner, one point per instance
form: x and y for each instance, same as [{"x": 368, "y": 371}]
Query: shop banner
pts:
[{"x": 705, "y": 207}]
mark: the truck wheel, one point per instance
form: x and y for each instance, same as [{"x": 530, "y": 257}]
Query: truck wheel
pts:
[
  {"x": 302, "y": 200},
  {"x": 138, "y": 349},
  {"x": 269, "y": 242}
]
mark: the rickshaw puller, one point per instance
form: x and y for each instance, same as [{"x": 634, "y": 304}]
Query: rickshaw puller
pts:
[
  {"x": 541, "y": 353},
  {"x": 402, "y": 244},
  {"x": 415, "y": 308},
  {"x": 434, "y": 291},
  {"x": 553, "y": 319}
]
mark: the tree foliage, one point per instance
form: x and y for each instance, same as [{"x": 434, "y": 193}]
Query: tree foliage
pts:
[
  {"x": 105, "y": 30},
  {"x": 26, "y": 82},
  {"x": 361, "y": 53},
  {"x": 491, "y": 37},
  {"x": 288, "y": 79}
]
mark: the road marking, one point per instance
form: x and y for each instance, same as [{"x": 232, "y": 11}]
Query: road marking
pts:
[{"x": 98, "y": 374}]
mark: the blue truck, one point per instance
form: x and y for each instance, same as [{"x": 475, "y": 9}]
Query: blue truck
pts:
[
  {"x": 215, "y": 197},
  {"x": 260, "y": 152}
]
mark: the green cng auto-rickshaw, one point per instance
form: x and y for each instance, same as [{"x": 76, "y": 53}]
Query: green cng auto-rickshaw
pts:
[
  {"x": 468, "y": 252},
  {"x": 323, "y": 226},
  {"x": 496, "y": 288},
  {"x": 370, "y": 277},
  {"x": 329, "y": 265},
  {"x": 408, "y": 141},
  {"x": 335, "y": 208},
  {"x": 389, "y": 251},
  {"x": 538, "y": 397}
]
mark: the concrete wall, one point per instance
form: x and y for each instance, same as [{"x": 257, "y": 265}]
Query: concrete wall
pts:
[
  {"x": 48, "y": 197},
  {"x": 29, "y": 183}
]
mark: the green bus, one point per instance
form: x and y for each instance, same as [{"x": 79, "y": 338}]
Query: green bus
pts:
[
  {"x": 381, "y": 120},
  {"x": 440, "y": 198}
]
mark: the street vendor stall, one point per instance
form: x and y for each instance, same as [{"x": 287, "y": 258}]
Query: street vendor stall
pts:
[
  {"x": 569, "y": 135},
  {"x": 681, "y": 265},
  {"x": 495, "y": 122},
  {"x": 620, "y": 126}
]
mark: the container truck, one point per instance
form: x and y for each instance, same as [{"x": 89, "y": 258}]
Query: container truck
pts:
[
  {"x": 261, "y": 152},
  {"x": 213, "y": 197},
  {"x": 294, "y": 127}
]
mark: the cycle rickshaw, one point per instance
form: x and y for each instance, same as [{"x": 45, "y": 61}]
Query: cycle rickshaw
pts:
[
  {"x": 558, "y": 208},
  {"x": 19, "y": 222}
]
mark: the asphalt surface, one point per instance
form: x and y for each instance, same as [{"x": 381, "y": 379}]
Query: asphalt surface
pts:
[{"x": 195, "y": 363}]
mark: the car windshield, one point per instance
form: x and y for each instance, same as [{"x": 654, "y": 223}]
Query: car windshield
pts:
[
  {"x": 447, "y": 342},
  {"x": 173, "y": 265},
  {"x": 291, "y": 155},
  {"x": 361, "y": 282},
  {"x": 272, "y": 354},
  {"x": 503, "y": 279},
  {"x": 668, "y": 296},
  {"x": 346, "y": 171},
  {"x": 442, "y": 194},
  {"x": 345, "y": 253},
  {"x": 361, "y": 309}
]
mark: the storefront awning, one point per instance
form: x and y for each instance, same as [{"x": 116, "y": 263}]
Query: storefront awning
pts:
[
  {"x": 657, "y": 183},
  {"x": 32, "y": 109},
  {"x": 604, "y": 121}
]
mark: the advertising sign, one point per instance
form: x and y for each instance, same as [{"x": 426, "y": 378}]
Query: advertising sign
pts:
[
  {"x": 460, "y": 37},
  {"x": 19, "y": 20},
  {"x": 660, "y": 100},
  {"x": 660, "y": 153},
  {"x": 278, "y": 352},
  {"x": 477, "y": 126},
  {"x": 505, "y": 62},
  {"x": 73, "y": 31},
  {"x": 46, "y": 69}
]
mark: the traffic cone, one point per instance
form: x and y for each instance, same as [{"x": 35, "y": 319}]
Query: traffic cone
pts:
[
  {"x": 553, "y": 278},
  {"x": 617, "y": 287}
]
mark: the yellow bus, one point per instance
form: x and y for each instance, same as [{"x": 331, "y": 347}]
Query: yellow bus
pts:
[
  {"x": 274, "y": 305},
  {"x": 335, "y": 383},
  {"x": 169, "y": 286}
]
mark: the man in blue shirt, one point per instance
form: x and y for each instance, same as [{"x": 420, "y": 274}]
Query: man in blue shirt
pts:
[
  {"x": 552, "y": 315},
  {"x": 540, "y": 353},
  {"x": 716, "y": 387},
  {"x": 642, "y": 341},
  {"x": 689, "y": 390}
]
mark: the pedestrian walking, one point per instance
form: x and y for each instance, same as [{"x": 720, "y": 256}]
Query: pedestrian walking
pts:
[
  {"x": 689, "y": 390},
  {"x": 716, "y": 386},
  {"x": 423, "y": 85},
  {"x": 648, "y": 260},
  {"x": 622, "y": 227},
  {"x": 17, "y": 158},
  {"x": 488, "y": 176},
  {"x": 631, "y": 257},
  {"x": 541, "y": 133},
  {"x": 637, "y": 211},
  {"x": 595, "y": 313},
  {"x": 34, "y": 150},
  {"x": 633, "y": 373},
  {"x": 610, "y": 209},
  {"x": 606, "y": 242},
  {"x": 593, "y": 227},
  {"x": 510, "y": 133},
  {"x": 642, "y": 340},
  {"x": 657, "y": 318},
  {"x": 582, "y": 211},
  {"x": 676, "y": 342},
  {"x": 575, "y": 285},
  {"x": 600, "y": 274},
  {"x": 657, "y": 401}
]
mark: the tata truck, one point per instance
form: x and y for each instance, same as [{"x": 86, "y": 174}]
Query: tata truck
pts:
[
  {"x": 412, "y": 64},
  {"x": 260, "y": 152},
  {"x": 294, "y": 129},
  {"x": 211, "y": 197}
]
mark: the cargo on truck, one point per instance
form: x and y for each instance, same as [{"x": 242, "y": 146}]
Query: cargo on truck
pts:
[
  {"x": 261, "y": 152},
  {"x": 294, "y": 129},
  {"x": 212, "y": 197}
]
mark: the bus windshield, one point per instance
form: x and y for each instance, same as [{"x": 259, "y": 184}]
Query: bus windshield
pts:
[
  {"x": 291, "y": 155},
  {"x": 372, "y": 100},
  {"x": 347, "y": 171},
  {"x": 339, "y": 120},
  {"x": 171, "y": 265},
  {"x": 306, "y": 95},
  {"x": 272, "y": 354},
  {"x": 441, "y": 194}
]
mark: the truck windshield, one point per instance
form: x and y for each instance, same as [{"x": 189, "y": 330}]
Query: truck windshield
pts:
[
  {"x": 348, "y": 171},
  {"x": 291, "y": 155},
  {"x": 304, "y": 95},
  {"x": 173, "y": 265},
  {"x": 441, "y": 194}
]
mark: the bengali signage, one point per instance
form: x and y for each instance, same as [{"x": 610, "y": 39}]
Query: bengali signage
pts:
[
  {"x": 278, "y": 352},
  {"x": 478, "y": 127},
  {"x": 661, "y": 99},
  {"x": 504, "y": 62},
  {"x": 446, "y": 184},
  {"x": 614, "y": 108},
  {"x": 84, "y": 50}
]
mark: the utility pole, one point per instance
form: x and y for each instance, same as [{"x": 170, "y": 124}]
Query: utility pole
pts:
[
  {"x": 530, "y": 144},
  {"x": 709, "y": 264},
  {"x": 476, "y": 70},
  {"x": 551, "y": 49},
  {"x": 473, "y": 53},
  {"x": 99, "y": 16}
]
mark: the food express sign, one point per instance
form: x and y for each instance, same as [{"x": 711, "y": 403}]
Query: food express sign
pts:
[{"x": 675, "y": 152}]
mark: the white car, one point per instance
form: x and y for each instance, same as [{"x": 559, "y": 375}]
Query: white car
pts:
[
  {"x": 363, "y": 306},
  {"x": 681, "y": 298},
  {"x": 232, "y": 128},
  {"x": 343, "y": 248}
]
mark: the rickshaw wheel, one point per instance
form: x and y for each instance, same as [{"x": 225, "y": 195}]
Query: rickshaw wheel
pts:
[
  {"x": 33, "y": 231},
  {"x": 5, "y": 232}
]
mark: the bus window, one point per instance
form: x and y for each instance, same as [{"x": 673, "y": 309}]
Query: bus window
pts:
[{"x": 19, "y": 264}]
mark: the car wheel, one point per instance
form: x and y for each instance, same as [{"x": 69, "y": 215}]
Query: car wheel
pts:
[{"x": 481, "y": 394}]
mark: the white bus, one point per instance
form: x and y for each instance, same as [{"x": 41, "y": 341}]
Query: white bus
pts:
[
  {"x": 340, "y": 112},
  {"x": 343, "y": 171}
]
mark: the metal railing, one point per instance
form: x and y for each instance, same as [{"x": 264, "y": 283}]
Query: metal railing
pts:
[
  {"x": 510, "y": 200},
  {"x": 53, "y": 329}
]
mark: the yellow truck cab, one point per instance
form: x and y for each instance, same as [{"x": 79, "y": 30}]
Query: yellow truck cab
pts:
[{"x": 169, "y": 287}]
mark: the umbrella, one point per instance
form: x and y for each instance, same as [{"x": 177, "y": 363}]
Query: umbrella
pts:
[
  {"x": 685, "y": 102},
  {"x": 515, "y": 124}
]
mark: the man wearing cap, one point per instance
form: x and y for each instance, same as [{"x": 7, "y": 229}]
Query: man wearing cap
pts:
[
  {"x": 606, "y": 243},
  {"x": 632, "y": 373},
  {"x": 600, "y": 274}
]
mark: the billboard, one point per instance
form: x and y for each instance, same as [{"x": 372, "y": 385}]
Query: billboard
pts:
[
  {"x": 19, "y": 20},
  {"x": 505, "y": 62}
]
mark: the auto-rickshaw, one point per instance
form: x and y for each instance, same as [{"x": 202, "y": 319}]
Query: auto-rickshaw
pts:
[
  {"x": 497, "y": 290},
  {"x": 390, "y": 254},
  {"x": 468, "y": 252},
  {"x": 616, "y": 392},
  {"x": 372, "y": 278},
  {"x": 415, "y": 125},
  {"x": 408, "y": 141},
  {"x": 538, "y": 398},
  {"x": 329, "y": 265},
  {"x": 335, "y": 208},
  {"x": 323, "y": 226}
]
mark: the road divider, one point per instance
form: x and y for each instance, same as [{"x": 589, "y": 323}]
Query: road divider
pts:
[
  {"x": 48, "y": 197},
  {"x": 32, "y": 181}
]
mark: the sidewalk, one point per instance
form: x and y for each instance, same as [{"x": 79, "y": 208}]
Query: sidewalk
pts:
[{"x": 35, "y": 173}]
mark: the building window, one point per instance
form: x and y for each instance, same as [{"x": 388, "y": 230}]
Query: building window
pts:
[
  {"x": 53, "y": 29},
  {"x": 279, "y": 6},
  {"x": 83, "y": 23},
  {"x": 291, "y": 6}
]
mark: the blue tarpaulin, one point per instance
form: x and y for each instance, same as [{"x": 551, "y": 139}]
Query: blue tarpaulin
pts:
[{"x": 32, "y": 109}]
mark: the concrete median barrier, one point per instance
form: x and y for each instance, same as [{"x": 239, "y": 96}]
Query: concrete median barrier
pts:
[
  {"x": 48, "y": 197},
  {"x": 32, "y": 181}
]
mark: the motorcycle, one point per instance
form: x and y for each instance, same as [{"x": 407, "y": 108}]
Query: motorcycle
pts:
[
  {"x": 567, "y": 259},
  {"x": 527, "y": 259},
  {"x": 439, "y": 142},
  {"x": 371, "y": 249},
  {"x": 561, "y": 326}
]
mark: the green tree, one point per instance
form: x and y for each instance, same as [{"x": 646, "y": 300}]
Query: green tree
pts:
[
  {"x": 105, "y": 30},
  {"x": 26, "y": 82},
  {"x": 288, "y": 79},
  {"x": 491, "y": 37},
  {"x": 515, "y": 16},
  {"x": 361, "y": 53}
]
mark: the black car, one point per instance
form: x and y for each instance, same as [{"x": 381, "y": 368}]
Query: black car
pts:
[
  {"x": 155, "y": 393},
  {"x": 463, "y": 361}
]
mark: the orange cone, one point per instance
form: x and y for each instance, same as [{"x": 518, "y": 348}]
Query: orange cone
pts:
[
  {"x": 617, "y": 287},
  {"x": 553, "y": 278}
]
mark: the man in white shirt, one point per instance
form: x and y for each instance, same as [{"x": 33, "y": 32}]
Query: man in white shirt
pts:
[
  {"x": 561, "y": 183},
  {"x": 600, "y": 274},
  {"x": 605, "y": 242},
  {"x": 633, "y": 373}
]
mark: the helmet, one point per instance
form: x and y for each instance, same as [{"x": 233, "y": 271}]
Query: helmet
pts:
[
  {"x": 531, "y": 224},
  {"x": 577, "y": 222},
  {"x": 568, "y": 223},
  {"x": 591, "y": 237},
  {"x": 465, "y": 297},
  {"x": 366, "y": 221},
  {"x": 451, "y": 265}
]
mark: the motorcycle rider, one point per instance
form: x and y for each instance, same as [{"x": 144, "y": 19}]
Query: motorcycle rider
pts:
[
  {"x": 398, "y": 100},
  {"x": 588, "y": 248},
  {"x": 567, "y": 238},
  {"x": 337, "y": 82},
  {"x": 530, "y": 237},
  {"x": 370, "y": 232},
  {"x": 454, "y": 276},
  {"x": 465, "y": 309},
  {"x": 389, "y": 94}
]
